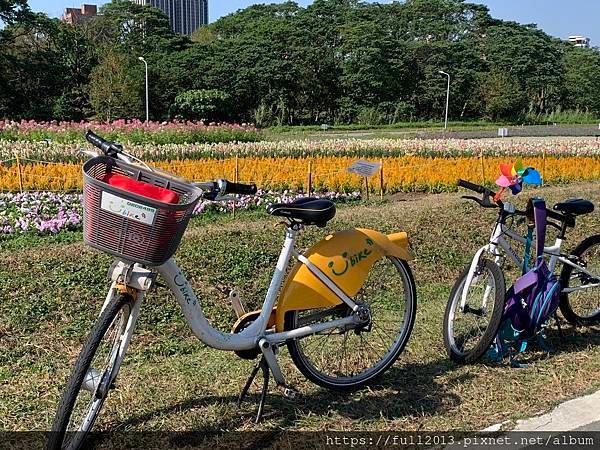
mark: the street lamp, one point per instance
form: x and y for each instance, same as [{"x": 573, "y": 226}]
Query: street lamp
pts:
[
  {"x": 447, "y": 98},
  {"x": 141, "y": 58}
]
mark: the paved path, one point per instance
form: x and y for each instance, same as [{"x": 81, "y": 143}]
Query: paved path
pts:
[
  {"x": 594, "y": 426},
  {"x": 581, "y": 414}
]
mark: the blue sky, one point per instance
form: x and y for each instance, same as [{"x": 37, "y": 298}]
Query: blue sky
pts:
[{"x": 559, "y": 18}]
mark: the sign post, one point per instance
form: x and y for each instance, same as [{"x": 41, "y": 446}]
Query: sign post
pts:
[{"x": 365, "y": 169}]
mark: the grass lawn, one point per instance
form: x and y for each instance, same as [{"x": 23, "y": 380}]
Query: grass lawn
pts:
[
  {"x": 397, "y": 131},
  {"x": 52, "y": 289},
  {"x": 404, "y": 130}
]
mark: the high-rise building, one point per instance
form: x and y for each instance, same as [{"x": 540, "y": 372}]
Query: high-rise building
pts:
[
  {"x": 78, "y": 15},
  {"x": 185, "y": 16},
  {"x": 580, "y": 41}
]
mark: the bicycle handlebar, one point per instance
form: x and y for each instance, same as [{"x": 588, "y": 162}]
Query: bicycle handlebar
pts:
[
  {"x": 485, "y": 201},
  {"x": 111, "y": 149},
  {"x": 473, "y": 187},
  {"x": 238, "y": 188},
  {"x": 216, "y": 188},
  {"x": 567, "y": 220}
]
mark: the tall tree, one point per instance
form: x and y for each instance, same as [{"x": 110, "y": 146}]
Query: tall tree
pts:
[
  {"x": 115, "y": 90},
  {"x": 582, "y": 79}
]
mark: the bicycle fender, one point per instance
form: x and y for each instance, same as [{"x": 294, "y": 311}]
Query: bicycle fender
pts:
[{"x": 346, "y": 259}]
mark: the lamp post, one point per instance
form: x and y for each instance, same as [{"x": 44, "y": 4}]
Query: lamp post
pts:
[
  {"x": 141, "y": 58},
  {"x": 447, "y": 98}
]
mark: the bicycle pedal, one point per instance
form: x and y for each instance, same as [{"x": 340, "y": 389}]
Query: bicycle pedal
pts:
[{"x": 288, "y": 392}]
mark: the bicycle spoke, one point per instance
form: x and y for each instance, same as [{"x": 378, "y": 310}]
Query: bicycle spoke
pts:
[{"x": 355, "y": 352}]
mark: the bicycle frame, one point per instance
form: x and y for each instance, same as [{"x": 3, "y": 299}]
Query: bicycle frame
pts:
[
  {"x": 250, "y": 337},
  {"x": 497, "y": 239}
]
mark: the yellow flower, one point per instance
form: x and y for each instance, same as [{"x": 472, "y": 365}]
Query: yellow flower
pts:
[{"x": 402, "y": 173}]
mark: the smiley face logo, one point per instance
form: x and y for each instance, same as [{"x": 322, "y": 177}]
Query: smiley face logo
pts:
[
  {"x": 116, "y": 209},
  {"x": 331, "y": 265}
]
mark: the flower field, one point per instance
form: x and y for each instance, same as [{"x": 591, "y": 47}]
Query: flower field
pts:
[
  {"x": 371, "y": 148},
  {"x": 131, "y": 132},
  {"x": 408, "y": 165},
  {"x": 50, "y": 213},
  {"x": 402, "y": 173}
]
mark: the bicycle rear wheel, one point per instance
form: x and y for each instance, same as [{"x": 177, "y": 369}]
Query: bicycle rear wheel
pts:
[
  {"x": 344, "y": 359},
  {"x": 580, "y": 305},
  {"x": 469, "y": 331},
  {"x": 92, "y": 377}
]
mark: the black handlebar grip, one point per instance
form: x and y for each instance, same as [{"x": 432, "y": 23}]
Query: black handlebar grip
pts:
[
  {"x": 241, "y": 189},
  {"x": 96, "y": 140},
  {"x": 471, "y": 186},
  {"x": 108, "y": 148}
]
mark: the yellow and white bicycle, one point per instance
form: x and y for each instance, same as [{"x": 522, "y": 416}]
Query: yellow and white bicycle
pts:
[{"x": 345, "y": 310}]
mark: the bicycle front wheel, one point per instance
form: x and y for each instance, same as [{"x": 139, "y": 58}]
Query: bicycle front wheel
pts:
[
  {"x": 92, "y": 377},
  {"x": 344, "y": 359},
  {"x": 580, "y": 297},
  {"x": 470, "y": 330}
]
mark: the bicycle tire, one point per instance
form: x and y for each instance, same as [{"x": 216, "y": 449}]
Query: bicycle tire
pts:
[
  {"x": 567, "y": 308},
  {"x": 59, "y": 432},
  {"x": 487, "y": 337},
  {"x": 312, "y": 372}
]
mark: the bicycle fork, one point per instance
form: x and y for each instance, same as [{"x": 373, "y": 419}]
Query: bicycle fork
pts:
[
  {"x": 134, "y": 281},
  {"x": 491, "y": 248}
]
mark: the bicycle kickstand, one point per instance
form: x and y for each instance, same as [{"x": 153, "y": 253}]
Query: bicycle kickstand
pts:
[
  {"x": 264, "y": 367},
  {"x": 560, "y": 330},
  {"x": 265, "y": 389}
]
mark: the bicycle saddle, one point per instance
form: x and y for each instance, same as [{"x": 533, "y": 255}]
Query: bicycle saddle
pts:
[
  {"x": 309, "y": 211},
  {"x": 575, "y": 206}
]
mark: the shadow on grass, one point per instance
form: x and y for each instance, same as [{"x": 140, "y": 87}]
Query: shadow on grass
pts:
[
  {"x": 573, "y": 339},
  {"x": 403, "y": 391}
]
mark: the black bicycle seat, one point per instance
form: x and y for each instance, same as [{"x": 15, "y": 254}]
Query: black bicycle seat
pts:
[
  {"x": 309, "y": 211},
  {"x": 574, "y": 207}
]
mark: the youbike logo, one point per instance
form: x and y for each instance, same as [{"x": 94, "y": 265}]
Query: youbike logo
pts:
[
  {"x": 352, "y": 260},
  {"x": 126, "y": 208},
  {"x": 184, "y": 288}
]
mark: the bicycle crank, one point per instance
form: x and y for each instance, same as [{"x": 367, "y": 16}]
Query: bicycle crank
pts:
[{"x": 244, "y": 322}]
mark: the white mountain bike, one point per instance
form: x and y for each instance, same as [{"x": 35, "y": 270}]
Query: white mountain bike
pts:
[
  {"x": 345, "y": 312},
  {"x": 474, "y": 310}
]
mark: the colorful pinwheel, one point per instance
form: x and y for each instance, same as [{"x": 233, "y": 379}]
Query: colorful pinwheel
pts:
[{"x": 514, "y": 175}]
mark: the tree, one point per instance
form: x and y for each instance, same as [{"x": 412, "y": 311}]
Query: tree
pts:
[
  {"x": 332, "y": 61},
  {"x": 14, "y": 11},
  {"x": 502, "y": 95},
  {"x": 115, "y": 90},
  {"x": 137, "y": 29},
  {"x": 582, "y": 79},
  {"x": 30, "y": 68},
  {"x": 204, "y": 104},
  {"x": 529, "y": 56}
]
